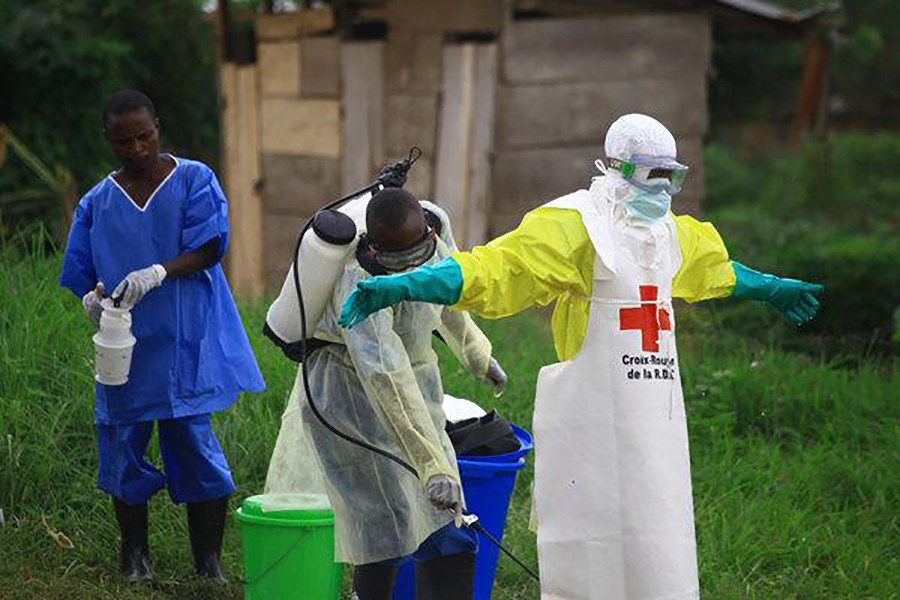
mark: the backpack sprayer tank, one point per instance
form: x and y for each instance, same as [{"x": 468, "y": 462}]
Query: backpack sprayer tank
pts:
[
  {"x": 323, "y": 253},
  {"x": 324, "y": 250}
]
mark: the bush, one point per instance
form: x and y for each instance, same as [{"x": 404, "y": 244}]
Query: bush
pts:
[
  {"x": 827, "y": 214},
  {"x": 791, "y": 457},
  {"x": 60, "y": 60}
]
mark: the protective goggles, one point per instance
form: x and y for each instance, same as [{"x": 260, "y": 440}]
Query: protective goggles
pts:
[
  {"x": 652, "y": 174},
  {"x": 416, "y": 255}
]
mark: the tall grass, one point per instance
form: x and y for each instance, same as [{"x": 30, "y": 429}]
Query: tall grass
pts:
[
  {"x": 829, "y": 213},
  {"x": 794, "y": 481},
  {"x": 794, "y": 459}
]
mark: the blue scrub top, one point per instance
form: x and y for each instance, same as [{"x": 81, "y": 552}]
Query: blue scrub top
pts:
[{"x": 192, "y": 355}]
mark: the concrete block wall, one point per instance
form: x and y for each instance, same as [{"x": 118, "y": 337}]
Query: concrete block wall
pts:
[
  {"x": 417, "y": 34},
  {"x": 509, "y": 113},
  {"x": 301, "y": 134},
  {"x": 563, "y": 82}
]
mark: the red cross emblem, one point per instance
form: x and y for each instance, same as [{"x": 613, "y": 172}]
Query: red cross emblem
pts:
[{"x": 646, "y": 318}]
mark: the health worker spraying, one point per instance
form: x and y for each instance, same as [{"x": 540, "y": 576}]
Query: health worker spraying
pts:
[
  {"x": 612, "y": 493},
  {"x": 364, "y": 424}
]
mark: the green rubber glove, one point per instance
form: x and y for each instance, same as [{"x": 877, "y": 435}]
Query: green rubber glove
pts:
[
  {"x": 438, "y": 284},
  {"x": 796, "y": 300}
]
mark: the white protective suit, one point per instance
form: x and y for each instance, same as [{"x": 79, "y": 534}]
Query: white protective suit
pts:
[
  {"x": 612, "y": 471},
  {"x": 379, "y": 382}
]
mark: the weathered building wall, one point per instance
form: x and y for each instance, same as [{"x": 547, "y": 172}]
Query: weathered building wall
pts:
[
  {"x": 564, "y": 81},
  {"x": 301, "y": 138},
  {"x": 508, "y": 113},
  {"x": 415, "y": 85}
]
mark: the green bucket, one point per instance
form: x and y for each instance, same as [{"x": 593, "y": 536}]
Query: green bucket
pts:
[{"x": 288, "y": 548}]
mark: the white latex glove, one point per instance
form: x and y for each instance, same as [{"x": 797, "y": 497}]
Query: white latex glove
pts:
[
  {"x": 496, "y": 376},
  {"x": 139, "y": 283},
  {"x": 444, "y": 492},
  {"x": 91, "y": 304}
]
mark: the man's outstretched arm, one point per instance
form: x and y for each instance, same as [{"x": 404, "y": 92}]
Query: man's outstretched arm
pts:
[{"x": 548, "y": 254}]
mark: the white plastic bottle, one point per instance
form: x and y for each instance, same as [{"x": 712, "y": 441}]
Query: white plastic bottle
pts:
[
  {"x": 114, "y": 345},
  {"x": 321, "y": 264}
]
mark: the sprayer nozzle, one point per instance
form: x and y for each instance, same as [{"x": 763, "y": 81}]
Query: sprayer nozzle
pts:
[
  {"x": 395, "y": 176},
  {"x": 118, "y": 299}
]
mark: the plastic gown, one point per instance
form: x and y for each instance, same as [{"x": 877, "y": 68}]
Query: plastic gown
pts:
[
  {"x": 550, "y": 257},
  {"x": 380, "y": 383}
]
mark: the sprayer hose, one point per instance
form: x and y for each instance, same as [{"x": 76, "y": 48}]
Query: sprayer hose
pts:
[{"x": 311, "y": 400}]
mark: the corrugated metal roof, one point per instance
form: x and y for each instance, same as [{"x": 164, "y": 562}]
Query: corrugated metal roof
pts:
[{"x": 774, "y": 12}]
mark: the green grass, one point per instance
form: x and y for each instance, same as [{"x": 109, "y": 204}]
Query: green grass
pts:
[
  {"x": 808, "y": 213},
  {"x": 794, "y": 460}
]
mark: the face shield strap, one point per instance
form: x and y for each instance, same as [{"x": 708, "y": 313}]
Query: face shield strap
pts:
[
  {"x": 624, "y": 167},
  {"x": 365, "y": 255}
]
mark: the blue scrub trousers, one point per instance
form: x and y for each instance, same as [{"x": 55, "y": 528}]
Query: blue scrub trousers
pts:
[{"x": 195, "y": 466}]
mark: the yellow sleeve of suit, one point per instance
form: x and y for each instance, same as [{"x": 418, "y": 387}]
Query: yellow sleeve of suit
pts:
[
  {"x": 549, "y": 257},
  {"x": 706, "y": 270}
]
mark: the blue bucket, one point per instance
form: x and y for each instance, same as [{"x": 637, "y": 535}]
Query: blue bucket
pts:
[{"x": 488, "y": 483}]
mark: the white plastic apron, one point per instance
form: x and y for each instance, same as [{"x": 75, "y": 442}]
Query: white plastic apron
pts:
[{"x": 612, "y": 471}]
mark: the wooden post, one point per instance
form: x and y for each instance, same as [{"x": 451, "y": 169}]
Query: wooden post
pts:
[
  {"x": 241, "y": 158},
  {"x": 68, "y": 197},
  {"x": 810, "y": 95},
  {"x": 2, "y": 144},
  {"x": 362, "y": 82},
  {"x": 484, "y": 75},
  {"x": 226, "y": 48},
  {"x": 465, "y": 139}
]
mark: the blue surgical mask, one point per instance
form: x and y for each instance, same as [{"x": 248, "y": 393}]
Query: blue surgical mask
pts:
[{"x": 646, "y": 206}]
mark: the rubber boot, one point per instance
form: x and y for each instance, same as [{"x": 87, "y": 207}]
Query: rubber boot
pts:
[
  {"x": 206, "y": 524},
  {"x": 134, "y": 552},
  {"x": 446, "y": 577},
  {"x": 373, "y": 582}
]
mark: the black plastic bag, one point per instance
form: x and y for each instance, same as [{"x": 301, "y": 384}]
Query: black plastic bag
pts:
[{"x": 489, "y": 435}]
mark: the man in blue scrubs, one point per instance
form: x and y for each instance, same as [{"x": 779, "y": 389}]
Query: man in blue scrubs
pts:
[{"x": 160, "y": 225}]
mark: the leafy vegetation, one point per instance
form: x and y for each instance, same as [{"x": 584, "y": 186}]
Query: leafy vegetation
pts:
[
  {"x": 828, "y": 213},
  {"x": 794, "y": 485},
  {"x": 60, "y": 60}
]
